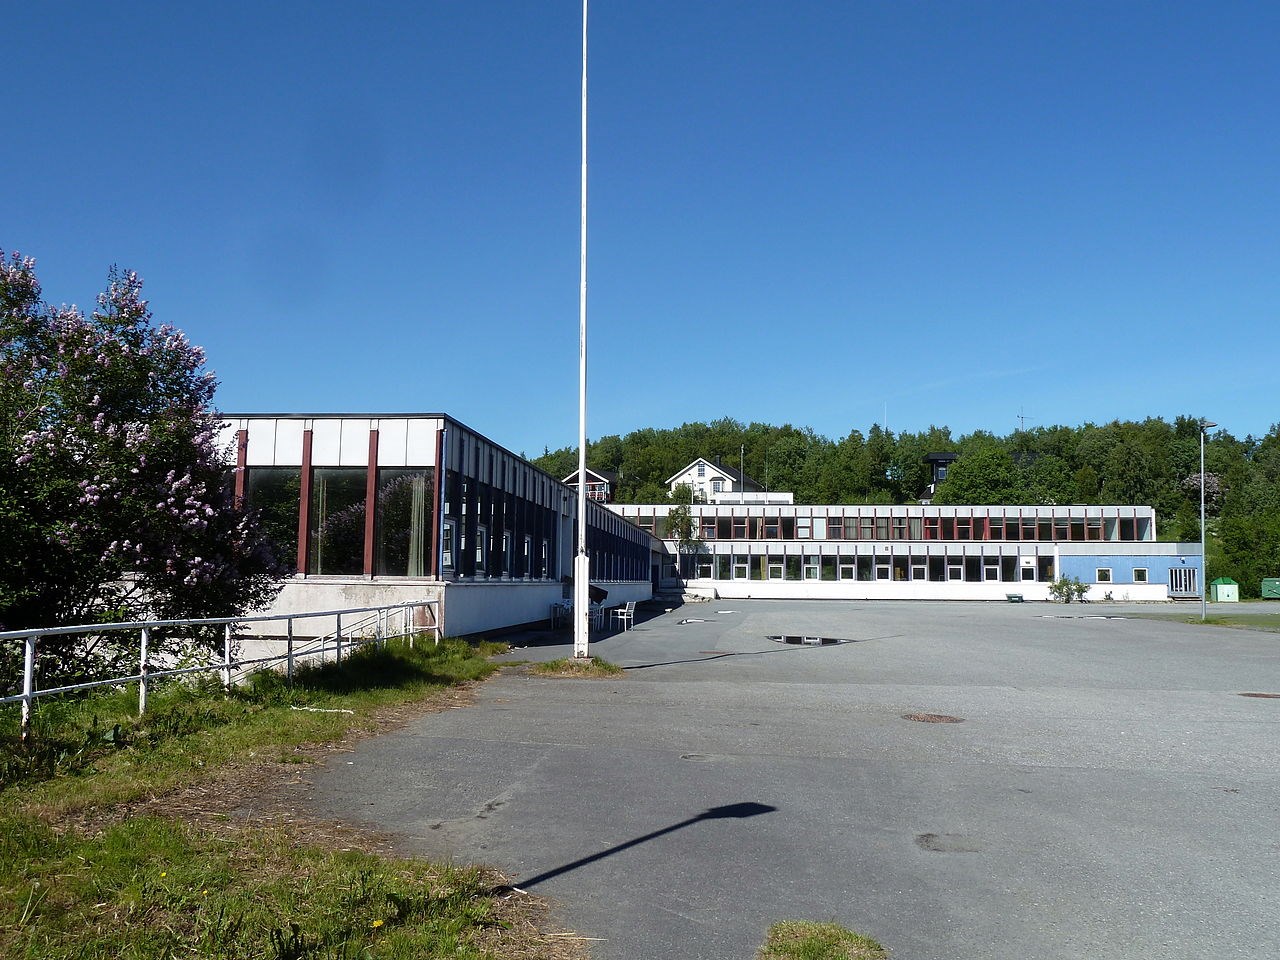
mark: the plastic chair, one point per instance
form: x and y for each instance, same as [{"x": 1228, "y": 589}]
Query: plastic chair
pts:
[{"x": 625, "y": 615}]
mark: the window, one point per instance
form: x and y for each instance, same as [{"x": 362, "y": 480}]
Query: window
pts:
[
  {"x": 446, "y": 545},
  {"x": 717, "y": 486},
  {"x": 1139, "y": 574},
  {"x": 702, "y": 470},
  {"x": 276, "y": 494},
  {"x": 812, "y": 568},
  {"x": 804, "y": 528},
  {"x": 403, "y": 517},
  {"x": 337, "y": 520},
  {"x": 482, "y": 551},
  {"x": 775, "y": 568},
  {"x": 1102, "y": 575}
]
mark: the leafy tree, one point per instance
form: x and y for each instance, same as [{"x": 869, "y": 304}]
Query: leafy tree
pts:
[
  {"x": 682, "y": 528},
  {"x": 115, "y": 501},
  {"x": 984, "y": 476}
]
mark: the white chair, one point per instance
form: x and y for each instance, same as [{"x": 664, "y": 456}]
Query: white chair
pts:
[
  {"x": 597, "y": 617},
  {"x": 624, "y": 616}
]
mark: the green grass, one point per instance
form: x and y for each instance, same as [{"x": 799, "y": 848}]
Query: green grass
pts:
[
  {"x": 167, "y": 886},
  {"x": 151, "y": 888},
  {"x": 568, "y": 667},
  {"x": 806, "y": 940},
  {"x": 1248, "y": 615}
]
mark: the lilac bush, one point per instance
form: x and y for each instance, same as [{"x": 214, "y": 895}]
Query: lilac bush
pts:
[{"x": 115, "y": 501}]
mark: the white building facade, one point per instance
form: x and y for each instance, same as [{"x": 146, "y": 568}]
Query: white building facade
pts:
[{"x": 922, "y": 551}]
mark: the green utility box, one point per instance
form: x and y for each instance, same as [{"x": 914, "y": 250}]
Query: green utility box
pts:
[
  {"x": 1224, "y": 590},
  {"x": 1271, "y": 588}
]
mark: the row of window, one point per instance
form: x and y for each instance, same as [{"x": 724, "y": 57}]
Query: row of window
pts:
[
  {"x": 868, "y": 569},
  {"x": 1045, "y": 529}
]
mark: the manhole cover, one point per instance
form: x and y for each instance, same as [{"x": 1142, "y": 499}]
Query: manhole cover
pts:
[
  {"x": 932, "y": 718},
  {"x": 801, "y": 641},
  {"x": 1263, "y": 696}
]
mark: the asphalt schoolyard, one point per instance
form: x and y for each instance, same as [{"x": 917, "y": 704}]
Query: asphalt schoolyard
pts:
[{"x": 1107, "y": 791}]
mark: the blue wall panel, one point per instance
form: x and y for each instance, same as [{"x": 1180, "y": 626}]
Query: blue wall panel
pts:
[{"x": 1085, "y": 569}]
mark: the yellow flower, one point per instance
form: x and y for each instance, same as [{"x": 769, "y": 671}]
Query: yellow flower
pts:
[
  {"x": 164, "y": 873},
  {"x": 377, "y": 923}
]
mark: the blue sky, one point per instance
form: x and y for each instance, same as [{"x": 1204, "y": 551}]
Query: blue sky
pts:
[{"x": 803, "y": 212}]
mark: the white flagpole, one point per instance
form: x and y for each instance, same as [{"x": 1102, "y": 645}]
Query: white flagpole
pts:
[{"x": 581, "y": 563}]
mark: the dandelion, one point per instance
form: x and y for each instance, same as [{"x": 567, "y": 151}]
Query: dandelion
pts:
[{"x": 377, "y": 923}]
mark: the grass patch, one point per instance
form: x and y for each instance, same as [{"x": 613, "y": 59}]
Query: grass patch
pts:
[
  {"x": 152, "y": 887},
  {"x": 806, "y": 940},
  {"x": 592, "y": 667},
  {"x": 190, "y": 726},
  {"x": 90, "y": 869},
  {"x": 1243, "y": 618}
]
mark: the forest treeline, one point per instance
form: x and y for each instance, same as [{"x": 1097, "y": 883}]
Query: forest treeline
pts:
[{"x": 1153, "y": 462}]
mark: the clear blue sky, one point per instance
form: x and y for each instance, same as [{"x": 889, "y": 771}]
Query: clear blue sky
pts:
[{"x": 800, "y": 212}]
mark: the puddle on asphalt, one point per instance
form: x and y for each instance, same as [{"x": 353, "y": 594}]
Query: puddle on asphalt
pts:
[{"x": 802, "y": 641}]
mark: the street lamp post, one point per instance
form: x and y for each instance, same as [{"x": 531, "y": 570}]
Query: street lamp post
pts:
[{"x": 1204, "y": 565}]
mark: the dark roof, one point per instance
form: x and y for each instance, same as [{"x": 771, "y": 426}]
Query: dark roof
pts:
[
  {"x": 739, "y": 478},
  {"x": 941, "y": 457},
  {"x": 607, "y": 475}
]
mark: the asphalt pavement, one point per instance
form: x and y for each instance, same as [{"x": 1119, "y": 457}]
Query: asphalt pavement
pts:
[{"x": 1098, "y": 785}]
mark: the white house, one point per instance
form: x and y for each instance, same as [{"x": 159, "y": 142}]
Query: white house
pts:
[{"x": 715, "y": 482}]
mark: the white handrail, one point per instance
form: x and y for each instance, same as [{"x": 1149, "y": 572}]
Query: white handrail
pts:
[{"x": 379, "y": 616}]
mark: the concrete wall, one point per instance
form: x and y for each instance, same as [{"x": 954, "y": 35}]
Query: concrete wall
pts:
[
  {"x": 338, "y": 593},
  {"x": 483, "y": 606},
  {"x": 467, "y": 608}
]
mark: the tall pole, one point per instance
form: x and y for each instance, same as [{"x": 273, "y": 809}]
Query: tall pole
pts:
[
  {"x": 581, "y": 563},
  {"x": 1204, "y": 562}
]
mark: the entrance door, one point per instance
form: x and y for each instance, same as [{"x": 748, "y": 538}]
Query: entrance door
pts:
[{"x": 1183, "y": 582}]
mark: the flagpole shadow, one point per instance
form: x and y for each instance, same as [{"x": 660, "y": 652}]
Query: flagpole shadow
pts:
[{"x": 731, "y": 811}]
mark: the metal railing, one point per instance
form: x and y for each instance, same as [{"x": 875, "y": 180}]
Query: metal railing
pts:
[{"x": 377, "y": 626}]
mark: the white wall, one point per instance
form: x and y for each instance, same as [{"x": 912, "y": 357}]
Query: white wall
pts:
[
  {"x": 491, "y": 605},
  {"x": 903, "y": 590}
]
